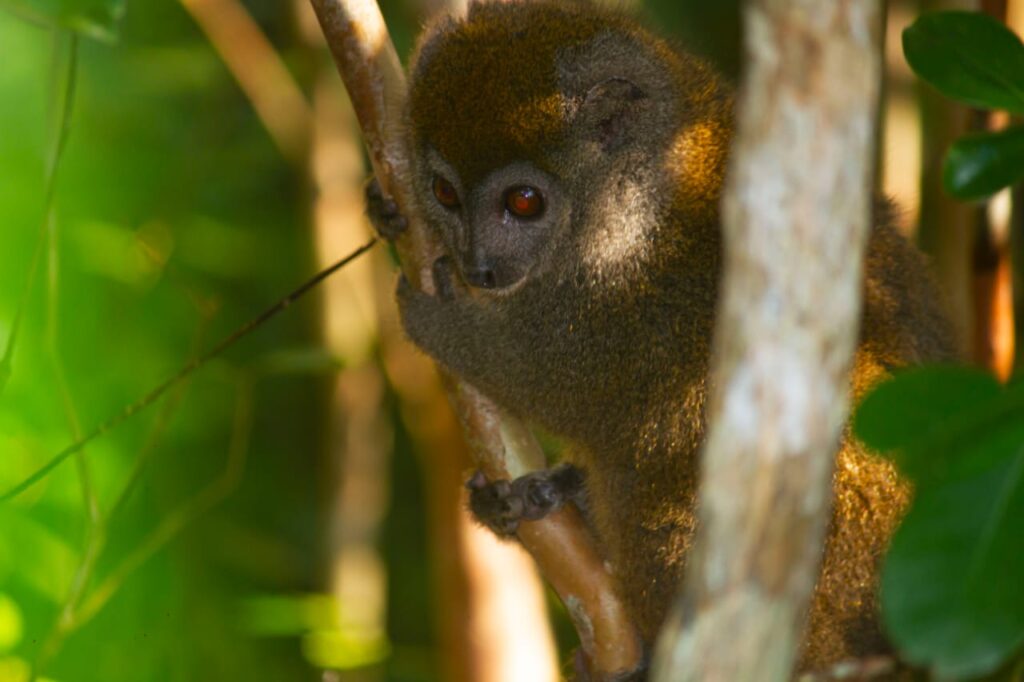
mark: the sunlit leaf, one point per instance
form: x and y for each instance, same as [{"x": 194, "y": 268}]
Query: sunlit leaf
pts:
[
  {"x": 984, "y": 163},
  {"x": 14, "y": 669},
  {"x": 97, "y": 19},
  {"x": 11, "y": 623},
  {"x": 276, "y": 615},
  {"x": 132, "y": 257},
  {"x": 35, "y": 555},
  {"x": 340, "y": 650},
  {"x": 968, "y": 56}
]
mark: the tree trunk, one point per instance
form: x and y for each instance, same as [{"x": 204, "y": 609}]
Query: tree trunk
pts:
[{"x": 795, "y": 220}]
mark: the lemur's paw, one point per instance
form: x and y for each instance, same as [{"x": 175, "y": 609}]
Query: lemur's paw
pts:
[
  {"x": 383, "y": 212},
  {"x": 502, "y": 505}
]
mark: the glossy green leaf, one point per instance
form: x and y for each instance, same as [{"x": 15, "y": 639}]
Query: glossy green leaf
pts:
[
  {"x": 952, "y": 587},
  {"x": 969, "y": 57},
  {"x": 980, "y": 164},
  {"x": 917, "y": 414},
  {"x": 952, "y": 593},
  {"x": 97, "y": 19}
]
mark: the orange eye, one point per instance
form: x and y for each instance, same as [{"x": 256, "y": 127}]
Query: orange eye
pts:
[
  {"x": 524, "y": 201},
  {"x": 445, "y": 193}
]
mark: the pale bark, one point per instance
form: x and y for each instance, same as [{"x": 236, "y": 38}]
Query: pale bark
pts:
[
  {"x": 502, "y": 447},
  {"x": 795, "y": 220}
]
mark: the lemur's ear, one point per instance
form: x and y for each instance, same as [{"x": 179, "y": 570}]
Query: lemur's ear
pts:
[{"x": 610, "y": 111}]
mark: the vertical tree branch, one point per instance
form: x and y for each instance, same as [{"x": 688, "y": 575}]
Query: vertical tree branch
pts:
[
  {"x": 947, "y": 225},
  {"x": 1015, "y": 20},
  {"x": 993, "y": 330},
  {"x": 259, "y": 70},
  {"x": 502, "y": 447},
  {"x": 795, "y": 220}
]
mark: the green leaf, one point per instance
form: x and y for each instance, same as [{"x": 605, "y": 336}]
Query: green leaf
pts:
[
  {"x": 36, "y": 555},
  {"x": 952, "y": 587},
  {"x": 952, "y": 593},
  {"x": 98, "y": 19},
  {"x": 909, "y": 415},
  {"x": 968, "y": 56},
  {"x": 983, "y": 163}
]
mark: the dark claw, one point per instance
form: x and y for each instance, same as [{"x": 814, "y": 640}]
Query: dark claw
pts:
[
  {"x": 540, "y": 496},
  {"x": 476, "y": 481},
  {"x": 384, "y": 212},
  {"x": 501, "y": 505}
]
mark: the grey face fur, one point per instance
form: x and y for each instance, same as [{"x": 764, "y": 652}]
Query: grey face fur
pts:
[{"x": 491, "y": 246}]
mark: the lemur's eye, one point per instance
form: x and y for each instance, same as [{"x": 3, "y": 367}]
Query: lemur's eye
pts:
[
  {"x": 445, "y": 193},
  {"x": 524, "y": 201}
]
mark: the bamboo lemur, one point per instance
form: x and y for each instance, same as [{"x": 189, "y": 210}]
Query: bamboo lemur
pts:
[{"x": 571, "y": 163}]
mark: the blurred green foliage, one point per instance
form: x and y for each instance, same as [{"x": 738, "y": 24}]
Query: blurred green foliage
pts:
[
  {"x": 973, "y": 58},
  {"x": 97, "y": 19},
  {"x": 174, "y": 220}
]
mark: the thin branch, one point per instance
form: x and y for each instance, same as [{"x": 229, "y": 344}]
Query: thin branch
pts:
[
  {"x": 78, "y": 610},
  {"x": 95, "y": 542},
  {"x": 52, "y": 333},
  {"x": 62, "y": 86},
  {"x": 184, "y": 372},
  {"x": 153, "y": 438},
  {"x": 186, "y": 514},
  {"x": 503, "y": 447},
  {"x": 259, "y": 71}
]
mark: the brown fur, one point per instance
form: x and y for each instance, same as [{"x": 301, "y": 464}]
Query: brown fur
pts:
[{"x": 606, "y": 342}]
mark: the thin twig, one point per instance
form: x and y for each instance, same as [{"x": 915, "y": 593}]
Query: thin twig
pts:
[
  {"x": 53, "y": 295},
  {"x": 62, "y": 85},
  {"x": 75, "y": 613},
  {"x": 184, "y": 372},
  {"x": 259, "y": 71},
  {"x": 191, "y": 510},
  {"x": 145, "y": 453}
]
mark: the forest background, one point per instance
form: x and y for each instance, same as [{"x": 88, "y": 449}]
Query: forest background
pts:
[{"x": 167, "y": 171}]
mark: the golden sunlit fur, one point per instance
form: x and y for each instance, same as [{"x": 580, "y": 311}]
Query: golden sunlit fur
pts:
[{"x": 604, "y": 337}]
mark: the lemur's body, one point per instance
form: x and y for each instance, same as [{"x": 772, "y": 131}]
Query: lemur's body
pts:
[{"x": 572, "y": 164}]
